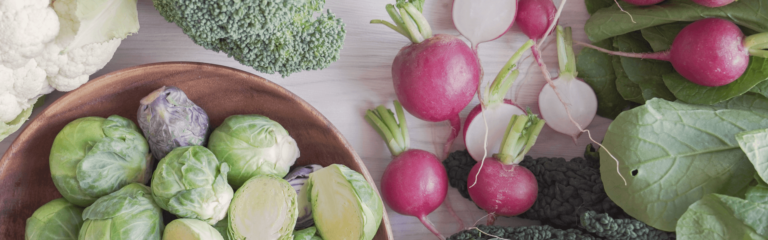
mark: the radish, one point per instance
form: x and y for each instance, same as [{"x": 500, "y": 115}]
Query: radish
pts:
[
  {"x": 415, "y": 182},
  {"x": 581, "y": 99},
  {"x": 436, "y": 76},
  {"x": 480, "y": 137},
  {"x": 713, "y": 3},
  {"x": 483, "y": 21},
  {"x": 535, "y": 16},
  {"x": 643, "y": 2},
  {"x": 704, "y": 59},
  {"x": 504, "y": 188}
]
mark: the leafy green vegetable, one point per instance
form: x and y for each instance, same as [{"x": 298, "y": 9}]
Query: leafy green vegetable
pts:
[
  {"x": 607, "y": 227},
  {"x": 761, "y": 88},
  {"x": 689, "y": 92},
  {"x": 723, "y": 217},
  {"x": 673, "y": 153},
  {"x": 646, "y": 73},
  {"x": 190, "y": 229},
  {"x": 8, "y": 128},
  {"x": 596, "y": 69},
  {"x": 263, "y": 208},
  {"x": 190, "y": 183},
  {"x": 127, "y": 214},
  {"x": 92, "y": 157},
  {"x": 629, "y": 90},
  {"x": 747, "y": 13},
  {"x": 306, "y": 234},
  {"x": 661, "y": 37},
  {"x": 221, "y": 227},
  {"x": 104, "y": 20},
  {"x": 537, "y": 232},
  {"x": 56, "y": 220},
  {"x": 594, "y": 5},
  {"x": 754, "y": 144},
  {"x": 269, "y": 35}
]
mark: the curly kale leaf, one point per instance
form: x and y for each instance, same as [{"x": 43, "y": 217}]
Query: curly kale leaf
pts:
[
  {"x": 521, "y": 233},
  {"x": 457, "y": 165},
  {"x": 606, "y": 227},
  {"x": 269, "y": 35}
]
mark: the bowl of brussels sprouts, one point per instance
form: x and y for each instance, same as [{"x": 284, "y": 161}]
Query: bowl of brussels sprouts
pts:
[{"x": 184, "y": 150}]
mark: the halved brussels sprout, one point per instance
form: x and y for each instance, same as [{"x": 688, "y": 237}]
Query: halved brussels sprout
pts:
[
  {"x": 57, "y": 219},
  {"x": 263, "y": 208},
  {"x": 297, "y": 178},
  {"x": 92, "y": 157},
  {"x": 190, "y": 229},
  {"x": 253, "y": 145},
  {"x": 190, "y": 183},
  {"x": 309, "y": 233},
  {"x": 128, "y": 214},
  {"x": 170, "y": 120},
  {"x": 344, "y": 205}
]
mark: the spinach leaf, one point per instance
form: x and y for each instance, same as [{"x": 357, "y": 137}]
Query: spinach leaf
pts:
[
  {"x": 754, "y": 144},
  {"x": 596, "y": 69},
  {"x": 610, "y": 22},
  {"x": 661, "y": 37},
  {"x": 629, "y": 90},
  {"x": 673, "y": 153},
  {"x": 723, "y": 217},
  {"x": 689, "y": 92},
  {"x": 594, "y": 5},
  {"x": 646, "y": 73}
]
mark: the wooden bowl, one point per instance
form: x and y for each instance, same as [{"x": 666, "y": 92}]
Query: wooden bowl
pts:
[{"x": 25, "y": 177}]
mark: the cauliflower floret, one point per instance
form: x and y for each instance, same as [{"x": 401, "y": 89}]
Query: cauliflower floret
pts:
[{"x": 26, "y": 26}]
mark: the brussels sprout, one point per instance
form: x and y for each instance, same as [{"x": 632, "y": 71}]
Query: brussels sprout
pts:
[
  {"x": 344, "y": 205},
  {"x": 130, "y": 213},
  {"x": 57, "y": 219},
  {"x": 221, "y": 227},
  {"x": 263, "y": 208},
  {"x": 306, "y": 234},
  {"x": 190, "y": 229},
  {"x": 190, "y": 183},
  {"x": 253, "y": 145},
  {"x": 297, "y": 178},
  {"x": 92, "y": 157},
  {"x": 170, "y": 120}
]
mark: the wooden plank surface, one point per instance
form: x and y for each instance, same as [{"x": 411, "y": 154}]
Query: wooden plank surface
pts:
[{"x": 361, "y": 80}]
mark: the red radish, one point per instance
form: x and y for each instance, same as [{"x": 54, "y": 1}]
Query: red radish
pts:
[
  {"x": 535, "y": 16},
  {"x": 436, "y": 76},
  {"x": 415, "y": 182},
  {"x": 710, "y": 52},
  {"x": 643, "y": 2},
  {"x": 713, "y": 3},
  {"x": 483, "y": 21},
  {"x": 581, "y": 99},
  {"x": 498, "y": 184},
  {"x": 484, "y": 133}
]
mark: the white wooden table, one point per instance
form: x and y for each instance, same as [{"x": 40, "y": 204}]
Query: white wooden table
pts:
[{"x": 361, "y": 80}]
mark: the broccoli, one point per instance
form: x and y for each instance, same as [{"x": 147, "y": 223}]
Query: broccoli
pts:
[
  {"x": 606, "y": 227},
  {"x": 271, "y": 36},
  {"x": 543, "y": 232}
]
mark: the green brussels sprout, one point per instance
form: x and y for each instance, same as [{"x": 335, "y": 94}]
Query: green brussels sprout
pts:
[
  {"x": 263, "y": 208},
  {"x": 170, "y": 120},
  {"x": 344, "y": 205},
  {"x": 306, "y": 234},
  {"x": 190, "y": 183},
  {"x": 221, "y": 227},
  {"x": 253, "y": 145},
  {"x": 57, "y": 219},
  {"x": 129, "y": 213},
  {"x": 190, "y": 229},
  {"x": 92, "y": 157}
]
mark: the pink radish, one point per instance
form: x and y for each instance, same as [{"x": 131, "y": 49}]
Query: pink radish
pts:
[
  {"x": 485, "y": 133},
  {"x": 713, "y": 3},
  {"x": 535, "y": 16},
  {"x": 581, "y": 99},
  {"x": 498, "y": 184},
  {"x": 643, "y": 2},
  {"x": 415, "y": 182},
  {"x": 483, "y": 21},
  {"x": 436, "y": 76},
  {"x": 707, "y": 59}
]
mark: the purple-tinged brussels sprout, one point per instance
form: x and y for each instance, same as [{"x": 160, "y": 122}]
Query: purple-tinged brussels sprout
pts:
[
  {"x": 297, "y": 178},
  {"x": 170, "y": 120}
]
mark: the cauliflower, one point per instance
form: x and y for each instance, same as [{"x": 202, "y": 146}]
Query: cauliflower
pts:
[{"x": 33, "y": 37}]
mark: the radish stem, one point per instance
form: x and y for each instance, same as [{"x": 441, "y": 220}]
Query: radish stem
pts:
[
  {"x": 411, "y": 27},
  {"x": 566, "y": 58},
  {"x": 390, "y": 25},
  {"x": 522, "y": 133},
  {"x": 421, "y": 22},
  {"x": 662, "y": 56},
  {"x": 455, "y": 122},
  {"x": 431, "y": 227},
  {"x": 383, "y": 121},
  {"x": 395, "y": 15},
  {"x": 506, "y": 76}
]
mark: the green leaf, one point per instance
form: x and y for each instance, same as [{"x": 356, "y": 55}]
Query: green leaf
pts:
[
  {"x": 128, "y": 213},
  {"x": 758, "y": 194},
  {"x": 594, "y": 5},
  {"x": 104, "y": 20},
  {"x": 723, "y": 217},
  {"x": 673, "y": 153},
  {"x": 8, "y": 128},
  {"x": 755, "y": 145},
  {"x": 661, "y": 37},
  {"x": 752, "y": 14},
  {"x": 689, "y": 92},
  {"x": 57, "y": 219},
  {"x": 761, "y": 88},
  {"x": 646, "y": 73},
  {"x": 629, "y": 90},
  {"x": 596, "y": 69}
]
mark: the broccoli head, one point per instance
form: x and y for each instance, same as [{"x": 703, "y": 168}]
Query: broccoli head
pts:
[
  {"x": 543, "y": 232},
  {"x": 282, "y": 36},
  {"x": 606, "y": 227}
]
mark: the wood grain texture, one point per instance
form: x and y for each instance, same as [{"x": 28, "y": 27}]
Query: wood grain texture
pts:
[{"x": 361, "y": 80}]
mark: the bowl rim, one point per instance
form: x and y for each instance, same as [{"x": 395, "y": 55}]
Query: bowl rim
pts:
[{"x": 107, "y": 78}]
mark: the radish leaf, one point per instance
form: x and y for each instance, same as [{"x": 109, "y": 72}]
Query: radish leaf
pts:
[
  {"x": 596, "y": 69},
  {"x": 629, "y": 90},
  {"x": 753, "y": 144},
  {"x": 646, "y": 73},
  {"x": 723, "y": 217},
  {"x": 689, "y": 92},
  {"x": 661, "y": 37}
]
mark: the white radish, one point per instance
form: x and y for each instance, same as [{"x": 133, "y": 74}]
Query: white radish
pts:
[{"x": 483, "y": 20}]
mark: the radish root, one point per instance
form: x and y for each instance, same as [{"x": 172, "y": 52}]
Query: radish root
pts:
[
  {"x": 448, "y": 206},
  {"x": 485, "y": 144},
  {"x": 424, "y": 220},
  {"x": 624, "y": 11}
]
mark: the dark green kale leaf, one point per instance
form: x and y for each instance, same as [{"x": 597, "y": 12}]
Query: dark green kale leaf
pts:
[
  {"x": 543, "y": 232},
  {"x": 606, "y": 227}
]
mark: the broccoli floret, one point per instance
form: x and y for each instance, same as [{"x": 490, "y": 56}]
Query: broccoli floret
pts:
[
  {"x": 606, "y": 227},
  {"x": 269, "y": 35},
  {"x": 522, "y": 233},
  {"x": 566, "y": 188}
]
